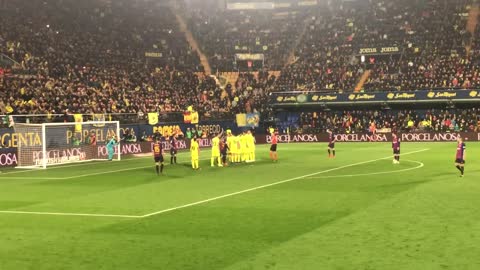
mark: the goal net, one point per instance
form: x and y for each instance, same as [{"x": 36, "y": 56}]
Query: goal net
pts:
[{"x": 42, "y": 145}]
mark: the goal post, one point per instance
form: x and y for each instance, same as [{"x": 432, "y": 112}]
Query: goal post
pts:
[{"x": 48, "y": 144}]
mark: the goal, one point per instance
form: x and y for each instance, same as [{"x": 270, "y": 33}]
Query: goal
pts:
[{"x": 47, "y": 144}]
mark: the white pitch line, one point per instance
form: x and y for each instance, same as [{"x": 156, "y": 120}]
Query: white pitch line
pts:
[
  {"x": 271, "y": 184},
  {"x": 69, "y": 214},
  {"x": 32, "y": 177},
  {"x": 89, "y": 174},
  {"x": 83, "y": 164},
  {"x": 420, "y": 165},
  {"x": 68, "y": 166},
  {"x": 207, "y": 200}
]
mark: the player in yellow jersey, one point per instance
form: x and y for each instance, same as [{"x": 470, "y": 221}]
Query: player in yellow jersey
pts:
[
  {"x": 240, "y": 147},
  {"x": 251, "y": 146},
  {"x": 244, "y": 147},
  {"x": 228, "y": 142},
  {"x": 232, "y": 148},
  {"x": 237, "y": 148},
  {"x": 195, "y": 153},
  {"x": 216, "y": 151}
]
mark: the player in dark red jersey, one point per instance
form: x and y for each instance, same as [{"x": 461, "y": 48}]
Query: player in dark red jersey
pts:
[
  {"x": 273, "y": 147},
  {"x": 223, "y": 151},
  {"x": 460, "y": 156},
  {"x": 173, "y": 149},
  {"x": 158, "y": 156},
  {"x": 331, "y": 144},
  {"x": 93, "y": 138},
  {"x": 396, "y": 148}
]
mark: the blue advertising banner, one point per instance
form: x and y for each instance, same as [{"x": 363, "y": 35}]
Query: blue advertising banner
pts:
[{"x": 299, "y": 98}]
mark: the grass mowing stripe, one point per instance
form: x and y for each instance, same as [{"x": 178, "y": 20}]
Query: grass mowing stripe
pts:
[
  {"x": 69, "y": 214},
  {"x": 121, "y": 170},
  {"x": 92, "y": 174},
  {"x": 272, "y": 184},
  {"x": 284, "y": 146},
  {"x": 93, "y": 162},
  {"x": 202, "y": 201}
]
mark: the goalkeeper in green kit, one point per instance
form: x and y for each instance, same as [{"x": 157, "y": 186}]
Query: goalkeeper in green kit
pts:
[{"x": 111, "y": 147}]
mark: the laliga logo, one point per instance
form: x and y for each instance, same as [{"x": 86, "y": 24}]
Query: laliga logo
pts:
[
  {"x": 390, "y": 95},
  {"x": 473, "y": 93},
  {"x": 280, "y": 99},
  {"x": 301, "y": 98},
  {"x": 351, "y": 97},
  {"x": 431, "y": 94}
]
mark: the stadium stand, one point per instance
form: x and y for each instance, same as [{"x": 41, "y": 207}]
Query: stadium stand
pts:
[
  {"x": 223, "y": 33},
  {"x": 431, "y": 39},
  {"x": 89, "y": 57}
]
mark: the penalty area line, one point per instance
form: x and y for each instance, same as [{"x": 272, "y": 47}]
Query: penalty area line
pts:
[
  {"x": 420, "y": 165},
  {"x": 306, "y": 176}
]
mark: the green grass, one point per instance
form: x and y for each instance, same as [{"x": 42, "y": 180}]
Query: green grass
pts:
[{"x": 415, "y": 215}]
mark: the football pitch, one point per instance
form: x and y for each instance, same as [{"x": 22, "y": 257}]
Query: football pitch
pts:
[{"x": 357, "y": 211}]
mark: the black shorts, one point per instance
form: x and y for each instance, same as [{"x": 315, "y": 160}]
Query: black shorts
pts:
[
  {"x": 173, "y": 151},
  {"x": 158, "y": 159},
  {"x": 460, "y": 161},
  {"x": 331, "y": 145},
  {"x": 273, "y": 148},
  {"x": 396, "y": 151},
  {"x": 223, "y": 153}
]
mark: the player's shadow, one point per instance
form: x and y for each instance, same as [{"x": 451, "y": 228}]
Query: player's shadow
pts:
[
  {"x": 441, "y": 175},
  {"x": 166, "y": 175},
  {"x": 402, "y": 184}
]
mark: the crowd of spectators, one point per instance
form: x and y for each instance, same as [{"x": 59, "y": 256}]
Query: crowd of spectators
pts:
[
  {"x": 251, "y": 92},
  {"x": 90, "y": 57},
  {"x": 431, "y": 37},
  {"x": 434, "y": 55},
  {"x": 367, "y": 121},
  {"x": 224, "y": 33},
  {"x": 325, "y": 56}
]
